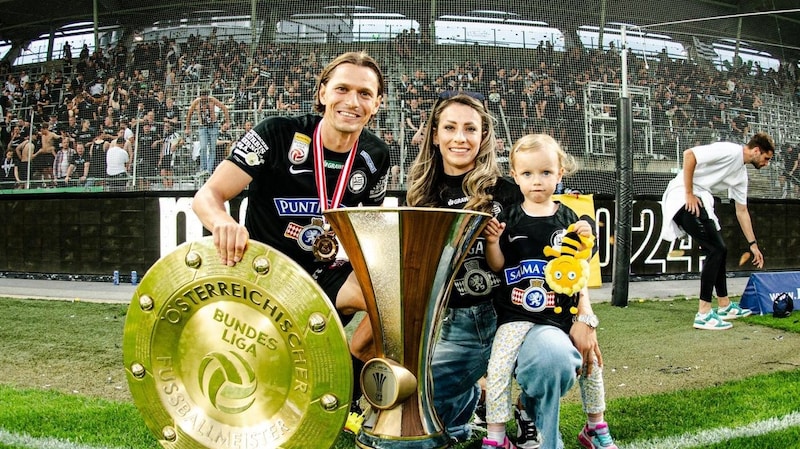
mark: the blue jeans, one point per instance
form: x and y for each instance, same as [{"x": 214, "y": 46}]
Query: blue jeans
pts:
[
  {"x": 460, "y": 358},
  {"x": 546, "y": 369},
  {"x": 208, "y": 147}
]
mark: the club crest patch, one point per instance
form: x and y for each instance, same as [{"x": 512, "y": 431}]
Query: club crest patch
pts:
[
  {"x": 358, "y": 182},
  {"x": 476, "y": 281},
  {"x": 305, "y": 235},
  {"x": 534, "y": 298}
]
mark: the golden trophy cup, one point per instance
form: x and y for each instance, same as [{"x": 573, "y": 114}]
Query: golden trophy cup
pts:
[
  {"x": 250, "y": 356},
  {"x": 404, "y": 259}
]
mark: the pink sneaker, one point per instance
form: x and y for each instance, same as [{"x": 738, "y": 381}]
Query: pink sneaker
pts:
[
  {"x": 489, "y": 444},
  {"x": 599, "y": 438}
]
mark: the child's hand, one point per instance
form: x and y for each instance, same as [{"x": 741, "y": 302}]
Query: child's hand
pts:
[
  {"x": 582, "y": 228},
  {"x": 493, "y": 230}
]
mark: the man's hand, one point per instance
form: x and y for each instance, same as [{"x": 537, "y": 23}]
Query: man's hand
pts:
[
  {"x": 758, "y": 258},
  {"x": 693, "y": 204},
  {"x": 230, "y": 239}
]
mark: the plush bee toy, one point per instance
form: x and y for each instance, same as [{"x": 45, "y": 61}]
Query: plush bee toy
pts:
[{"x": 568, "y": 272}]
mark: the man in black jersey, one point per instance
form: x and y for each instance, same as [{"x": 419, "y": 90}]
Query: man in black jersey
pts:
[{"x": 293, "y": 165}]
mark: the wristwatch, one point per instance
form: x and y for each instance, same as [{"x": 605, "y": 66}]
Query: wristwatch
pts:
[{"x": 589, "y": 320}]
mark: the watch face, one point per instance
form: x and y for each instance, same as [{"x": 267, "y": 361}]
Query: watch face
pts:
[{"x": 589, "y": 320}]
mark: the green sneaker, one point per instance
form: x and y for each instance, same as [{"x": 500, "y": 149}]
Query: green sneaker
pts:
[
  {"x": 711, "y": 322},
  {"x": 732, "y": 312}
]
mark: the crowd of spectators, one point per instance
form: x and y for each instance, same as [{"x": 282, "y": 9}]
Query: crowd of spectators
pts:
[
  {"x": 544, "y": 93},
  {"x": 687, "y": 102},
  {"x": 136, "y": 99}
]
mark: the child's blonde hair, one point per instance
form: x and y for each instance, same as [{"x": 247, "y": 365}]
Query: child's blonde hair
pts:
[{"x": 543, "y": 142}]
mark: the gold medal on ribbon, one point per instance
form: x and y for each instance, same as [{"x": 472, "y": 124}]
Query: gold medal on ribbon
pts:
[{"x": 325, "y": 247}]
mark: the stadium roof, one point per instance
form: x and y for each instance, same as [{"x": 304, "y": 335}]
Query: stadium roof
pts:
[{"x": 23, "y": 20}]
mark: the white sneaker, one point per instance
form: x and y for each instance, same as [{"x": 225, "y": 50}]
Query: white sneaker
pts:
[
  {"x": 710, "y": 322},
  {"x": 732, "y": 311}
]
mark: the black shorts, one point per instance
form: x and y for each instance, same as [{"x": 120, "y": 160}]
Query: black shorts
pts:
[
  {"x": 331, "y": 277},
  {"x": 22, "y": 167}
]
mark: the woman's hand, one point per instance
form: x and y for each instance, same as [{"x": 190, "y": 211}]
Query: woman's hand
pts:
[{"x": 585, "y": 340}]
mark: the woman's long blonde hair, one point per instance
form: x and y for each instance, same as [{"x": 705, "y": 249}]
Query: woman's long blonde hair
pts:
[{"x": 426, "y": 173}]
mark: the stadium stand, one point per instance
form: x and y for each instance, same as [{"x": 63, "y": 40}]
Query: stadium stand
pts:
[{"x": 140, "y": 90}]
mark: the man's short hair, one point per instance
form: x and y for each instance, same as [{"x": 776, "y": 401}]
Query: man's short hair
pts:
[{"x": 763, "y": 141}]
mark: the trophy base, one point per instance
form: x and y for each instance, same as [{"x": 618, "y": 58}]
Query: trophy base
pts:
[{"x": 370, "y": 441}]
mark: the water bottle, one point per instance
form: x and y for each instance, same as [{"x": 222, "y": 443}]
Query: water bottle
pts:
[
  {"x": 134, "y": 278},
  {"x": 116, "y": 277}
]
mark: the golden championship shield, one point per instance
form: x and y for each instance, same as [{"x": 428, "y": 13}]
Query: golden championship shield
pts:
[
  {"x": 404, "y": 259},
  {"x": 252, "y": 356}
]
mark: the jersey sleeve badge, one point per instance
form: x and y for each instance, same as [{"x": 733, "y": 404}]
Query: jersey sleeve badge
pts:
[{"x": 298, "y": 150}]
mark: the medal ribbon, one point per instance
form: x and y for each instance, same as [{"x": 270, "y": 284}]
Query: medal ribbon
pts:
[{"x": 319, "y": 172}]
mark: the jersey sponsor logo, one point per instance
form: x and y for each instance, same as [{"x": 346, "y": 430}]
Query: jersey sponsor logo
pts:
[
  {"x": 526, "y": 269},
  {"x": 369, "y": 161},
  {"x": 298, "y": 150},
  {"x": 298, "y": 171},
  {"x": 358, "y": 182},
  {"x": 334, "y": 165},
  {"x": 478, "y": 248},
  {"x": 250, "y": 149},
  {"x": 297, "y": 207},
  {"x": 516, "y": 237},
  {"x": 457, "y": 201},
  {"x": 534, "y": 298}
]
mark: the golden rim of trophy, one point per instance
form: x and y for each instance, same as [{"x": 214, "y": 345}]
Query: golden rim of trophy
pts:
[{"x": 249, "y": 356}]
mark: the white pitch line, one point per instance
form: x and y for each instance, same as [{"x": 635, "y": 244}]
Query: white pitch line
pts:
[
  {"x": 687, "y": 440},
  {"x": 30, "y": 442},
  {"x": 718, "y": 435}
]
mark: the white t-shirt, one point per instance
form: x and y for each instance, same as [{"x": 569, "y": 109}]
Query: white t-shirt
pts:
[
  {"x": 720, "y": 166},
  {"x": 116, "y": 160}
]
